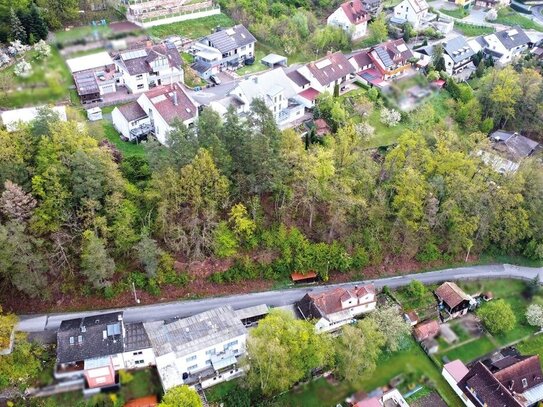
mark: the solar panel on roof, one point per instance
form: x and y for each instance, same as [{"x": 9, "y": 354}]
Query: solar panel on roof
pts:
[
  {"x": 127, "y": 56},
  {"x": 113, "y": 329},
  {"x": 158, "y": 99},
  {"x": 383, "y": 55},
  {"x": 323, "y": 64}
]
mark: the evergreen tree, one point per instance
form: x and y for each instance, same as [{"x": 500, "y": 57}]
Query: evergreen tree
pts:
[
  {"x": 96, "y": 264},
  {"x": 17, "y": 31},
  {"x": 36, "y": 24}
]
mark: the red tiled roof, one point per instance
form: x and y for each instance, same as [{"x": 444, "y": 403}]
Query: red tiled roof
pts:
[
  {"x": 299, "y": 276},
  {"x": 451, "y": 294},
  {"x": 329, "y": 69},
  {"x": 512, "y": 376},
  {"x": 329, "y": 302},
  {"x": 321, "y": 127},
  {"x": 355, "y": 12},
  {"x": 309, "y": 94},
  {"x": 147, "y": 401},
  {"x": 132, "y": 111},
  {"x": 362, "y": 58},
  {"x": 426, "y": 330},
  {"x": 163, "y": 99}
]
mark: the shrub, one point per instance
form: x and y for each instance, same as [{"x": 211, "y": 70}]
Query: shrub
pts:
[
  {"x": 139, "y": 279},
  {"x": 360, "y": 258},
  {"x": 390, "y": 117},
  {"x": 497, "y": 316},
  {"x": 225, "y": 242},
  {"x": 416, "y": 289},
  {"x": 22, "y": 69},
  {"x": 430, "y": 252}
]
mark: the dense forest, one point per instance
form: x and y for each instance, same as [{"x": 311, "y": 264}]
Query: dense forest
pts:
[{"x": 77, "y": 217}]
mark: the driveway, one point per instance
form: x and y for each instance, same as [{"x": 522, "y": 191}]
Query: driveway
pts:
[{"x": 51, "y": 322}]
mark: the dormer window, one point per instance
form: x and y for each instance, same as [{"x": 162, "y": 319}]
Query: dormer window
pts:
[{"x": 524, "y": 383}]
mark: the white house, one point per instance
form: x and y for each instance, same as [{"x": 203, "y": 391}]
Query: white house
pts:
[
  {"x": 96, "y": 346},
  {"x": 505, "y": 46},
  {"x": 351, "y": 17},
  {"x": 162, "y": 107},
  {"x": 412, "y": 11},
  {"x": 225, "y": 49},
  {"x": 200, "y": 350},
  {"x": 334, "y": 308},
  {"x": 325, "y": 73},
  {"x": 274, "y": 88},
  {"x": 453, "y": 372},
  {"x": 12, "y": 119},
  {"x": 143, "y": 68}
]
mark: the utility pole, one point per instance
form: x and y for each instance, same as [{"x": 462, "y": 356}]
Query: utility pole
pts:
[{"x": 135, "y": 295}]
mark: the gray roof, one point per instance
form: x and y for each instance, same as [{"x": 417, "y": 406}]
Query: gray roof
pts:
[
  {"x": 513, "y": 144},
  {"x": 200, "y": 331},
  {"x": 252, "y": 312},
  {"x": 298, "y": 78},
  {"x": 458, "y": 49},
  {"x": 136, "y": 337},
  {"x": 329, "y": 69},
  {"x": 137, "y": 61},
  {"x": 132, "y": 111},
  {"x": 273, "y": 59},
  {"x": 266, "y": 86},
  {"x": 513, "y": 37},
  {"x": 90, "y": 337},
  {"x": 229, "y": 39}
]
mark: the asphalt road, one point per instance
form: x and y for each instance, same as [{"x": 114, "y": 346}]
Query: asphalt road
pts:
[{"x": 51, "y": 322}]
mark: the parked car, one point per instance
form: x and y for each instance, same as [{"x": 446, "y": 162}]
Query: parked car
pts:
[{"x": 215, "y": 79}]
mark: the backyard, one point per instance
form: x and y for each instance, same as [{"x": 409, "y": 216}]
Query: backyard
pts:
[
  {"x": 192, "y": 29},
  {"x": 508, "y": 16},
  {"x": 48, "y": 82},
  {"x": 458, "y": 12},
  {"x": 470, "y": 30}
]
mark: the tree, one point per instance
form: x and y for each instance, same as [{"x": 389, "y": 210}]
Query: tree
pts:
[
  {"x": 181, "y": 396},
  {"x": 15, "y": 203},
  {"x": 282, "y": 350},
  {"x": 22, "y": 366},
  {"x": 59, "y": 12},
  {"x": 357, "y": 350},
  {"x": 36, "y": 24},
  {"x": 533, "y": 287},
  {"x": 242, "y": 224},
  {"x": 437, "y": 58},
  {"x": 390, "y": 323},
  {"x": 499, "y": 93},
  {"x": 148, "y": 254},
  {"x": 7, "y": 324},
  {"x": 416, "y": 289},
  {"x": 17, "y": 31},
  {"x": 407, "y": 31},
  {"x": 534, "y": 315},
  {"x": 497, "y": 316},
  {"x": 378, "y": 29},
  {"x": 96, "y": 264},
  {"x": 225, "y": 241}
]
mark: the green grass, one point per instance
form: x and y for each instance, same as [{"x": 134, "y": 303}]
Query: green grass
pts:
[
  {"x": 319, "y": 393},
  {"x": 458, "y": 12},
  {"x": 384, "y": 135},
  {"x": 79, "y": 33},
  {"x": 257, "y": 66},
  {"x": 471, "y": 350},
  {"x": 508, "y": 16},
  {"x": 192, "y": 28},
  {"x": 112, "y": 135},
  {"x": 412, "y": 303},
  {"x": 48, "y": 82},
  {"x": 144, "y": 383},
  {"x": 459, "y": 330},
  {"x": 470, "y": 30},
  {"x": 532, "y": 346}
]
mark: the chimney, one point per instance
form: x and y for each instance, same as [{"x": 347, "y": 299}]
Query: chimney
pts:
[
  {"x": 255, "y": 79},
  {"x": 148, "y": 44},
  {"x": 175, "y": 98},
  {"x": 351, "y": 3}
]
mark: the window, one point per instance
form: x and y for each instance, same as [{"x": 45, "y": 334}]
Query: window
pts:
[
  {"x": 208, "y": 362},
  {"x": 140, "y": 86},
  {"x": 230, "y": 344},
  {"x": 524, "y": 383},
  {"x": 210, "y": 351},
  {"x": 139, "y": 362},
  {"x": 193, "y": 367},
  {"x": 138, "y": 353},
  {"x": 191, "y": 358},
  {"x": 139, "y": 76}
]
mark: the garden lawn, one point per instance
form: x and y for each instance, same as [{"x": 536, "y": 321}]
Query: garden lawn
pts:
[
  {"x": 192, "y": 29},
  {"x": 144, "y": 382},
  {"x": 458, "y": 12},
  {"x": 511, "y": 291},
  {"x": 384, "y": 135},
  {"x": 257, "y": 66},
  {"x": 411, "y": 303},
  {"x": 48, "y": 82},
  {"x": 127, "y": 148},
  {"x": 412, "y": 363},
  {"x": 532, "y": 346},
  {"x": 508, "y": 16},
  {"x": 79, "y": 33},
  {"x": 470, "y": 30},
  {"x": 471, "y": 350}
]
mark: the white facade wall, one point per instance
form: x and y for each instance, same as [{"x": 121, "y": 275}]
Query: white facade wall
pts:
[
  {"x": 365, "y": 304},
  {"x": 122, "y": 125},
  {"x": 139, "y": 358},
  {"x": 405, "y": 11},
  {"x": 162, "y": 128},
  {"x": 182, "y": 17},
  {"x": 447, "y": 376},
  {"x": 340, "y": 20}
]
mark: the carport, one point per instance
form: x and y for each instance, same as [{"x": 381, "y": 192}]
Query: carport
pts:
[{"x": 274, "y": 60}]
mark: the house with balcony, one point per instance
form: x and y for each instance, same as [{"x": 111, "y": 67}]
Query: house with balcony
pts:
[
  {"x": 505, "y": 46},
  {"x": 202, "y": 350},
  {"x": 453, "y": 302},
  {"x": 324, "y": 74},
  {"x": 274, "y": 88},
  {"x": 351, "y": 17},
  {"x": 146, "y": 67},
  {"x": 332, "y": 309},
  {"x": 95, "y": 347},
  {"x": 149, "y": 13},
  {"x": 414, "y": 12},
  {"x": 391, "y": 59},
  {"x": 154, "y": 113},
  {"x": 94, "y": 75},
  {"x": 225, "y": 49}
]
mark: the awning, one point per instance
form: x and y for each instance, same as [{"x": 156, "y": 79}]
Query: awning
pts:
[{"x": 219, "y": 364}]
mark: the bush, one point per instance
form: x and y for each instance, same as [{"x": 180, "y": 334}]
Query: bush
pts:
[
  {"x": 360, "y": 258},
  {"x": 430, "y": 252},
  {"x": 139, "y": 279},
  {"x": 497, "y": 316},
  {"x": 416, "y": 289},
  {"x": 390, "y": 117},
  {"x": 225, "y": 242}
]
